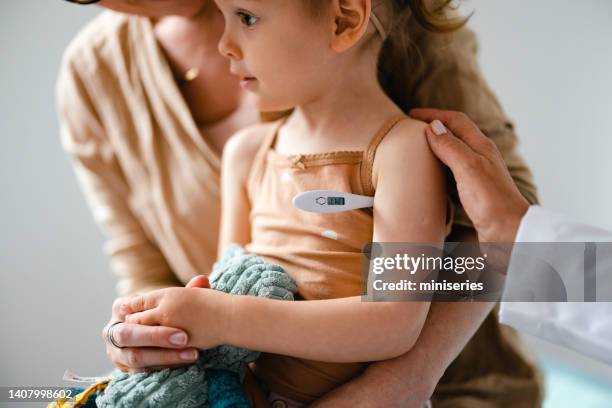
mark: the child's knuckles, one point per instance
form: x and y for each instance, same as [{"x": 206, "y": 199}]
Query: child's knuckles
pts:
[
  {"x": 116, "y": 309},
  {"x": 137, "y": 304},
  {"x": 165, "y": 317},
  {"x": 138, "y": 319}
]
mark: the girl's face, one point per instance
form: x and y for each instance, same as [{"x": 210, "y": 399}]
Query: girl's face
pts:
[
  {"x": 280, "y": 52},
  {"x": 155, "y": 8}
]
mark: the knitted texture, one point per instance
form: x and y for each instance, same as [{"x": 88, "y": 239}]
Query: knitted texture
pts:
[
  {"x": 214, "y": 381},
  {"x": 222, "y": 387}
]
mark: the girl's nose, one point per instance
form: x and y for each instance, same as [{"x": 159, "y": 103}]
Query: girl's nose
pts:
[{"x": 228, "y": 48}]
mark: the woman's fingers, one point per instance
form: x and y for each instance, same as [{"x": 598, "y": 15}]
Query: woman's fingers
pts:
[
  {"x": 135, "y": 335},
  {"x": 142, "y": 347},
  {"x": 460, "y": 125},
  {"x": 458, "y": 122},
  {"x": 138, "y": 358},
  {"x": 425, "y": 114},
  {"x": 451, "y": 151}
]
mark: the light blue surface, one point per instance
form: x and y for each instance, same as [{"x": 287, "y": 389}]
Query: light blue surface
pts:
[{"x": 566, "y": 387}]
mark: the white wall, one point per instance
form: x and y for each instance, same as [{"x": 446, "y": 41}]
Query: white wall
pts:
[
  {"x": 55, "y": 287},
  {"x": 550, "y": 63},
  {"x": 548, "y": 60}
]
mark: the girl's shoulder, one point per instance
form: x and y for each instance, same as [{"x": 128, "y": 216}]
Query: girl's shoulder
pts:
[
  {"x": 242, "y": 148},
  {"x": 404, "y": 145},
  {"x": 246, "y": 142},
  {"x": 404, "y": 137}
]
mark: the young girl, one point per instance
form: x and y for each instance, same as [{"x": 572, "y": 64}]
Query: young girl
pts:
[{"x": 321, "y": 59}]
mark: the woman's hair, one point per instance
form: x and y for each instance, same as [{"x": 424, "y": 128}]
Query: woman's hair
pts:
[
  {"x": 414, "y": 29},
  {"x": 411, "y": 27}
]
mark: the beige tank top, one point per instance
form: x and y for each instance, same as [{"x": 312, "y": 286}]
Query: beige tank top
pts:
[{"x": 322, "y": 252}]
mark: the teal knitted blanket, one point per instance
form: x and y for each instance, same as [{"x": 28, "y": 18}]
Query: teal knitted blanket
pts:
[{"x": 214, "y": 380}]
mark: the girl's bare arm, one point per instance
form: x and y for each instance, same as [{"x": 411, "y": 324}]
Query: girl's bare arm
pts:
[{"x": 238, "y": 156}]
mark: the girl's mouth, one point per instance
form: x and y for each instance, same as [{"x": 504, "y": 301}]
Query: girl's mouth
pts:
[{"x": 247, "y": 82}]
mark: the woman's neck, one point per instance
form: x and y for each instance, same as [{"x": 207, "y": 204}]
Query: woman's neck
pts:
[{"x": 190, "y": 44}]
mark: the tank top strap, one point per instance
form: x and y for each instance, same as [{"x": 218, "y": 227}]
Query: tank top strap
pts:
[
  {"x": 270, "y": 139},
  {"x": 370, "y": 153},
  {"x": 259, "y": 160}
]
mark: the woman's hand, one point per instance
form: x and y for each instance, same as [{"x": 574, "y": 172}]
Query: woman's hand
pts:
[
  {"x": 378, "y": 386},
  {"x": 204, "y": 314},
  {"x": 146, "y": 347}
]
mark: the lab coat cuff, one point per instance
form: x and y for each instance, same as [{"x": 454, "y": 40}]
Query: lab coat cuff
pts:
[{"x": 539, "y": 225}]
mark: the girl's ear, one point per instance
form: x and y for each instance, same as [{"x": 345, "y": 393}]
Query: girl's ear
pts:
[{"x": 351, "y": 20}]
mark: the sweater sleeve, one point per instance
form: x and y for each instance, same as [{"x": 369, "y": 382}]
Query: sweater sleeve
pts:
[
  {"x": 452, "y": 80},
  {"x": 137, "y": 261}
]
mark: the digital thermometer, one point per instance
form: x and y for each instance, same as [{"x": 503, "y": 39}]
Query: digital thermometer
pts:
[{"x": 329, "y": 201}]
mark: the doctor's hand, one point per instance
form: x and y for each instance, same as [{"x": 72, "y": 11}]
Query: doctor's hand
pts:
[
  {"x": 147, "y": 347},
  {"x": 489, "y": 195}
]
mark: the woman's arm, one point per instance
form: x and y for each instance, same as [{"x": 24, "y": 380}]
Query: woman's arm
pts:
[{"x": 138, "y": 262}]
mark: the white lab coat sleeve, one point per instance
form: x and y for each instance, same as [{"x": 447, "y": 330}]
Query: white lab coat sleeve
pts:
[
  {"x": 583, "y": 327},
  {"x": 541, "y": 225}
]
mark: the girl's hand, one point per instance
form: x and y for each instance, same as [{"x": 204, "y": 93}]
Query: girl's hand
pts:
[
  {"x": 203, "y": 313},
  {"x": 146, "y": 347}
]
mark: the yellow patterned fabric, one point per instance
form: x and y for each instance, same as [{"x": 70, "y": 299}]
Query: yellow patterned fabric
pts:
[{"x": 81, "y": 398}]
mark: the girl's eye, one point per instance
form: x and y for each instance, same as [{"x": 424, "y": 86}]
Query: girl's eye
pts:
[{"x": 247, "y": 19}]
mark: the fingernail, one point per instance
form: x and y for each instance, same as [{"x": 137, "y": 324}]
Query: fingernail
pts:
[
  {"x": 189, "y": 355},
  {"x": 178, "y": 339},
  {"x": 438, "y": 128}
]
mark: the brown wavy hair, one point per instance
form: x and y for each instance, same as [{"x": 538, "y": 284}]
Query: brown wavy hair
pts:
[{"x": 413, "y": 27}]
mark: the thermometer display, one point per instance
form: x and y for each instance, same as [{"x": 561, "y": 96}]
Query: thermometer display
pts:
[
  {"x": 335, "y": 201},
  {"x": 329, "y": 201}
]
